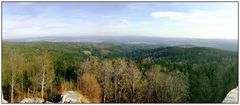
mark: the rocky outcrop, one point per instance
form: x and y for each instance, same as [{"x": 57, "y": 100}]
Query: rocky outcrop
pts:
[
  {"x": 48, "y": 102},
  {"x": 32, "y": 100},
  {"x": 3, "y": 101},
  {"x": 232, "y": 97},
  {"x": 73, "y": 97}
]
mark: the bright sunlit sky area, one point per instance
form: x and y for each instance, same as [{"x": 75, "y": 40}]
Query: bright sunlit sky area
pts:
[{"x": 156, "y": 19}]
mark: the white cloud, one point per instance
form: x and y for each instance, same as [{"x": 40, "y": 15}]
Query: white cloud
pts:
[
  {"x": 198, "y": 23},
  {"x": 24, "y": 3},
  {"x": 169, "y": 14}
]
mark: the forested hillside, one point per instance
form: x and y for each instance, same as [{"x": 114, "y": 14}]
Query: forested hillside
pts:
[
  {"x": 212, "y": 72},
  {"x": 117, "y": 73}
]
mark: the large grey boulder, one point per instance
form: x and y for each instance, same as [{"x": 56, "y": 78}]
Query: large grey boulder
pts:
[
  {"x": 32, "y": 100},
  {"x": 232, "y": 97},
  {"x": 73, "y": 97}
]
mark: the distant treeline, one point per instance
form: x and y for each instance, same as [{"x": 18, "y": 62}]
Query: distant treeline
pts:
[{"x": 117, "y": 73}]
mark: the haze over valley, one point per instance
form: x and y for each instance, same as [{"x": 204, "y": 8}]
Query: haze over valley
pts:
[{"x": 226, "y": 44}]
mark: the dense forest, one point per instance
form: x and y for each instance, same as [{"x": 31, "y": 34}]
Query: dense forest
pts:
[{"x": 117, "y": 73}]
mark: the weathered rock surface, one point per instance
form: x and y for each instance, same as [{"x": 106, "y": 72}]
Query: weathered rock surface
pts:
[
  {"x": 32, "y": 100},
  {"x": 48, "y": 102},
  {"x": 232, "y": 97},
  {"x": 73, "y": 97},
  {"x": 3, "y": 101}
]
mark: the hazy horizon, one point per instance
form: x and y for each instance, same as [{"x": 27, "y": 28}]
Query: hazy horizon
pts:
[
  {"x": 102, "y": 36},
  {"x": 204, "y": 20}
]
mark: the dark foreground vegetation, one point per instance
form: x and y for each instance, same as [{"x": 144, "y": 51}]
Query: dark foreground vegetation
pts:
[{"x": 117, "y": 73}]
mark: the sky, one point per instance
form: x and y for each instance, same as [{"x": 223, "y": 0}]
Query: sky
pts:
[{"x": 209, "y": 20}]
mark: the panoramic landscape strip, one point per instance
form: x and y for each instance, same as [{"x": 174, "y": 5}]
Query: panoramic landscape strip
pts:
[{"x": 119, "y": 52}]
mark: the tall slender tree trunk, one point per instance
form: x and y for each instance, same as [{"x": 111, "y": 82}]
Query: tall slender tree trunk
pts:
[
  {"x": 12, "y": 86},
  {"x": 35, "y": 86},
  {"x": 132, "y": 96},
  {"x": 51, "y": 89},
  {"x": 12, "y": 83},
  {"x": 22, "y": 86},
  {"x": 43, "y": 81},
  {"x": 28, "y": 93},
  {"x": 104, "y": 88},
  {"x": 104, "y": 96},
  {"x": 115, "y": 89}
]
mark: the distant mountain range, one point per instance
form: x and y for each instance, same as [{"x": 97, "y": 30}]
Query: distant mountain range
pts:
[{"x": 226, "y": 44}]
